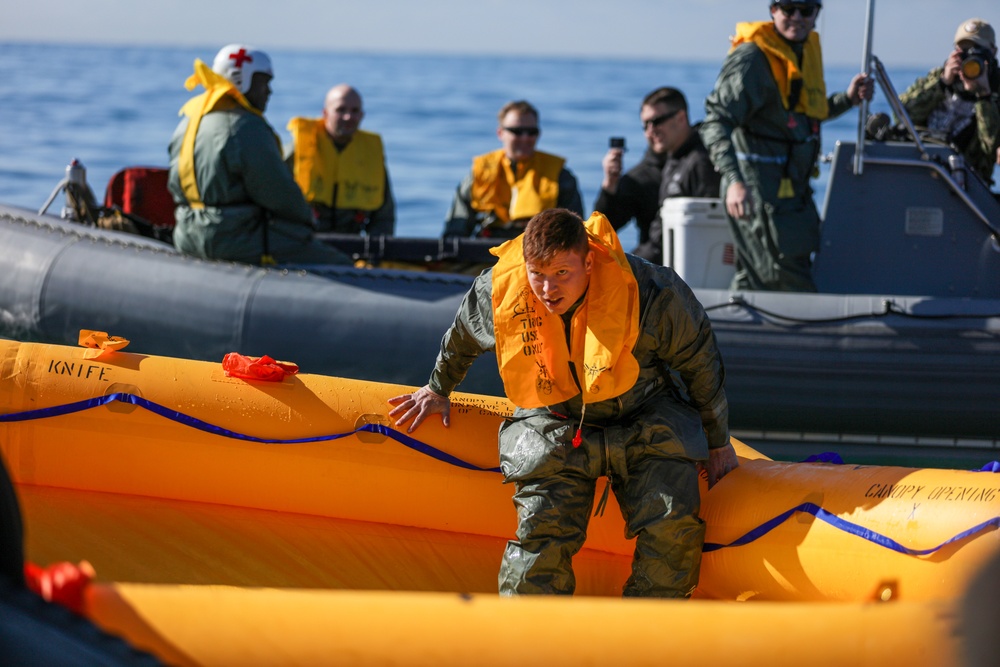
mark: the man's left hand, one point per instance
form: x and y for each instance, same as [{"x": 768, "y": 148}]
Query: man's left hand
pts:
[
  {"x": 721, "y": 462},
  {"x": 862, "y": 88}
]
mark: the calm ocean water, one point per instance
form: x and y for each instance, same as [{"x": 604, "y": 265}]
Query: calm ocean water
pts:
[
  {"x": 115, "y": 107},
  {"x": 112, "y": 107}
]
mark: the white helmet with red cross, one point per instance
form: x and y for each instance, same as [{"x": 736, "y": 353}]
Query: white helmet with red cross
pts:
[{"x": 239, "y": 62}]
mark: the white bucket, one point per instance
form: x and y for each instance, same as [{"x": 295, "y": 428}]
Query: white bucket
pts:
[{"x": 697, "y": 242}]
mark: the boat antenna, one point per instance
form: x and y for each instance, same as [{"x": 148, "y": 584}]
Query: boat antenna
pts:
[{"x": 859, "y": 148}]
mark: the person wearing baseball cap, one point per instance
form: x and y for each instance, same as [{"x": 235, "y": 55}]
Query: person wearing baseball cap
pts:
[{"x": 960, "y": 102}]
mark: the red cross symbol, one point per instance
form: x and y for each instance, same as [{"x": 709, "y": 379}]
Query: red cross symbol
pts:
[{"x": 241, "y": 57}]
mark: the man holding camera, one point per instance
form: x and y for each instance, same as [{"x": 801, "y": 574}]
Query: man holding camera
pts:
[
  {"x": 959, "y": 102},
  {"x": 676, "y": 164}
]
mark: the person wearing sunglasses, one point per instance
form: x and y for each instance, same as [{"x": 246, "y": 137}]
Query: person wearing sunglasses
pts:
[
  {"x": 508, "y": 186},
  {"x": 960, "y": 102},
  {"x": 762, "y": 130},
  {"x": 675, "y": 164}
]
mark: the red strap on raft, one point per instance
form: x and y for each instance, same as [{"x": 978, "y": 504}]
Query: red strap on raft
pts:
[
  {"x": 62, "y": 583},
  {"x": 257, "y": 368}
]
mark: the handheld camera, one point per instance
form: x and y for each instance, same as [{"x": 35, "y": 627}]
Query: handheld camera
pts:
[{"x": 974, "y": 61}]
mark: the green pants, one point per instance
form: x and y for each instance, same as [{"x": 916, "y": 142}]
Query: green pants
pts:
[
  {"x": 208, "y": 234},
  {"x": 774, "y": 248},
  {"x": 554, "y": 496}
]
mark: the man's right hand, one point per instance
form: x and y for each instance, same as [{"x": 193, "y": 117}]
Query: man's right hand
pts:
[
  {"x": 612, "y": 164},
  {"x": 952, "y": 67},
  {"x": 739, "y": 202},
  {"x": 418, "y": 406}
]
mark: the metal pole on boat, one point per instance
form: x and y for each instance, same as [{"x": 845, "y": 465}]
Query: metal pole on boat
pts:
[{"x": 859, "y": 148}]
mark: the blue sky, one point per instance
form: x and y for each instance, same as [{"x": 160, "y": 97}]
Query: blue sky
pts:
[{"x": 907, "y": 32}]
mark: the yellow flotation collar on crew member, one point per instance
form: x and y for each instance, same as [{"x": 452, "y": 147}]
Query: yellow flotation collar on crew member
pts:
[
  {"x": 531, "y": 343},
  {"x": 785, "y": 68},
  {"x": 217, "y": 88},
  {"x": 509, "y": 196},
  {"x": 358, "y": 170}
]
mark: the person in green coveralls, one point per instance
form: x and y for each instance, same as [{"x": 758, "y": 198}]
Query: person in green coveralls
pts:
[
  {"x": 762, "y": 130},
  {"x": 615, "y": 372},
  {"x": 236, "y": 199}
]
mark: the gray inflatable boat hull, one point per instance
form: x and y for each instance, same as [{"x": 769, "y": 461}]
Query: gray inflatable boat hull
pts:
[{"x": 920, "y": 368}]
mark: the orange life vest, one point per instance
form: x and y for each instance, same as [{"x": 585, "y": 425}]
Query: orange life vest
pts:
[
  {"x": 785, "y": 67},
  {"x": 531, "y": 344},
  {"x": 511, "y": 196}
]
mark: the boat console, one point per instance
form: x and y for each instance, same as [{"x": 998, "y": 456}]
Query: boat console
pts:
[{"x": 911, "y": 224}]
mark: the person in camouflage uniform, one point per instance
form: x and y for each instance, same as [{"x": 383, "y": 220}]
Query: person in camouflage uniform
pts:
[
  {"x": 957, "y": 108},
  {"x": 762, "y": 130}
]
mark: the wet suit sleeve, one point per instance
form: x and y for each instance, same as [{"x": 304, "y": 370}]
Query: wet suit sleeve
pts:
[
  {"x": 737, "y": 96},
  {"x": 838, "y": 103},
  {"x": 689, "y": 348},
  {"x": 468, "y": 337}
]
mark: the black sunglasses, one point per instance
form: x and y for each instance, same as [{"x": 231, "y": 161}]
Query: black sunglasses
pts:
[
  {"x": 659, "y": 120},
  {"x": 807, "y": 10},
  {"x": 523, "y": 131}
]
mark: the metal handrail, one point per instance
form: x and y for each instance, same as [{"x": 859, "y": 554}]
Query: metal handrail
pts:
[
  {"x": 925, "y": 159},
  {"x": 866, "y": 58},
  {"x": 897, "y": 106}
]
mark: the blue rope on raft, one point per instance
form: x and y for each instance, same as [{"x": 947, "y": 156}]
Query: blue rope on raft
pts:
[
  {"x": 416, "y": 445},
  {"x": 847, "y": 527},
  {"x": 193, "y": 422}
]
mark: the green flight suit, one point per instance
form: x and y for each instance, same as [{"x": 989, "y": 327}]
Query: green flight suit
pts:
[
  {"x": 245, "y": 186},
  {"x": 647, "y": 441},
  {"x": 754, "y": 140}
]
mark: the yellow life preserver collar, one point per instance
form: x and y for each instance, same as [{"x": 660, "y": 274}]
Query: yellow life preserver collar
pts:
[
  {"x": 785, "y": 66},
  {"x": 217, "y": 88},
  {"x": 356, "y": 172},
  {"x": 531, "y": 345}
]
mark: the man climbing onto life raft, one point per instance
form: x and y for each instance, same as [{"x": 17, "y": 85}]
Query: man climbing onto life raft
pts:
[{"x": 588, "y": 340}]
